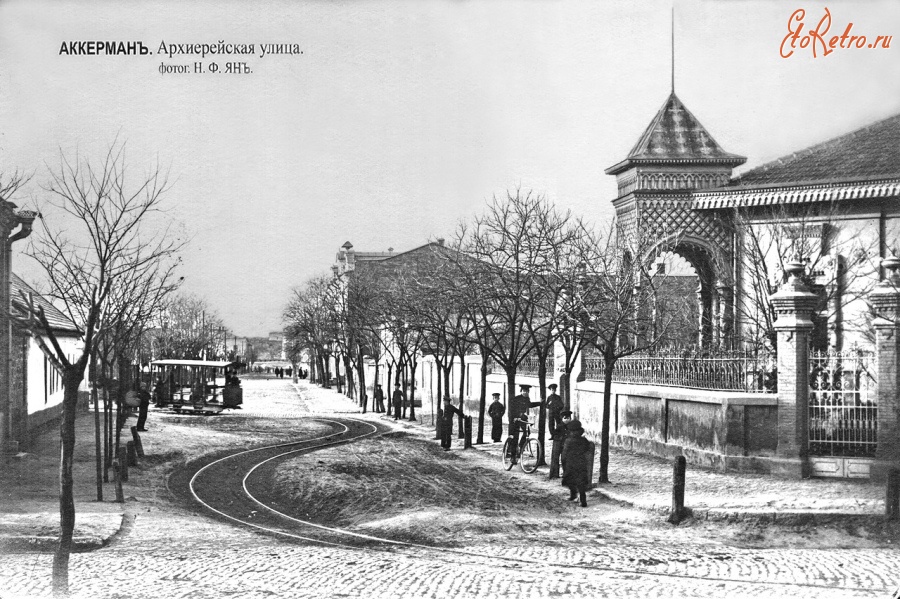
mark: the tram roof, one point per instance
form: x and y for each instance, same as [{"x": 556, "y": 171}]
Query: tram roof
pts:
[{"x": 210, "y": 363}]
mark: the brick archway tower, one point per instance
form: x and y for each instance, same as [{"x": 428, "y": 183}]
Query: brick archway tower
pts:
[{"x": 674, "y": 157}]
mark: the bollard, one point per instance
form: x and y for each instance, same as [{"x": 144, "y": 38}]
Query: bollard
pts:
[
  {"x": 678, "y": 478},
  {"x": 467, "y": 427},
  {"x": 120, "y": 494},
  {"x": 131, "y": 451},
  {"x": 555, "y": 454},
  {"x": 122, "y": 456},
  {"x": 137, "y": 442},
  {"x": 892, "y": 498},
  {"x": 589, "y": 461}
]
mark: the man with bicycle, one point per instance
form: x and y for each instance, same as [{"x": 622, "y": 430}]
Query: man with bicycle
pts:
[{"x": 518, "y": 410}]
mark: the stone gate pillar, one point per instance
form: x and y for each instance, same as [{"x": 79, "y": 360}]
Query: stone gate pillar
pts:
[
  {"x": 793, "y": 304},
  {"x": 885, "y": 299}
]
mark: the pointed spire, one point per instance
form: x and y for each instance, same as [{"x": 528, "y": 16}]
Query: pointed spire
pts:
[{"x": 673, "y": 47}]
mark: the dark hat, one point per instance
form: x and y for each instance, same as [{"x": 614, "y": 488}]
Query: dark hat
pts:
[
  {"x": 574, "y": 427},
  {"x": 565, "y": 413},
  {"x": 495, "y": 395},
  {"x": 524, "y": 387},
  {"x": 552, "y": 386},
  {"x": 396, "y": 384}
]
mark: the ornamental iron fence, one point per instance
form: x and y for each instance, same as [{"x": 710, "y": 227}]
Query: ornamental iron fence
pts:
[
  {"x": 843, "y": 411},
  {"x": 529, "y": 366},
  {"x": 749, "y": 372}
]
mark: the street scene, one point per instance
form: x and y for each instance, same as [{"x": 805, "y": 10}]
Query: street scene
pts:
[{"x": 486, "y": 299}]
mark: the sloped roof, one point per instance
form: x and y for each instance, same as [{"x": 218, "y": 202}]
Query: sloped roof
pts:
[
  {"x": 675, "y": 135},
  {"x": 56, "y": 319},
  {"x": 867, "y": 154}
]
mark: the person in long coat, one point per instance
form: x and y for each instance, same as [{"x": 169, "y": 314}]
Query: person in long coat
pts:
[
  {"x": 574, "y": 462},
  {"x": 379, "y": 398},
  {"x": 449, "y": 413},
  {"x": 496, "y": 411},
  {"x": 397, "y": 401}
]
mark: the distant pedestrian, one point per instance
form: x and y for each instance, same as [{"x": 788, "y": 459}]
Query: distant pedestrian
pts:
[
  {"x": 447, "y": 417},
  {"x": 397, "y": 401},
  {"x": 379, "y": 398},
  {"x": 574, "y": 462},
  {"x": 496, "y": 412}
]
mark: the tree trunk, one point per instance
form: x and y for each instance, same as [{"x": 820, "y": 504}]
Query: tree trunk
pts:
[
  {"x": 348, "y": 373},
  {"x": 482, "y": 400},
  {"x": 412, "y": 391},
  {"x": 98, "y": 448},
  {"x": 542, "y": 410},
  {"x": 337, "y": 373},
  {"x": 60, "y": 580},
  {"x": 462, "y": 390},
  {"x": 604, "y": 430},
  {"x": 510, "y": 392},
  {"x": 361, "y": 375}
]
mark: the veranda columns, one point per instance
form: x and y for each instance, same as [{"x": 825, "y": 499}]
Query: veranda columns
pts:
[
  {"x": 885, "y": 299},
  {"x": 793, "y": 304}
]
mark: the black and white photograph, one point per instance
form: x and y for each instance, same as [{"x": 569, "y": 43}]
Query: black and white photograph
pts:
[{"x": 476, "y": 299}]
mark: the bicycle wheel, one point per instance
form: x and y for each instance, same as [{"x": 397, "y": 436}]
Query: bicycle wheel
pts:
[
  {"x": 531, "y": 455},
  {"x": 507, "y": 455}
]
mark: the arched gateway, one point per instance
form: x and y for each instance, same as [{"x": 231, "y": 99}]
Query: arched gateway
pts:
[{"x": 674, "y": 157}]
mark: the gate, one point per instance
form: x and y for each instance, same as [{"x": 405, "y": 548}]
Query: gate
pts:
[{"x": 843, "y": 413}]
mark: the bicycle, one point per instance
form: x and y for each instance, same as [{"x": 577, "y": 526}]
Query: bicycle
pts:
[{"x": 528, "y": 453}]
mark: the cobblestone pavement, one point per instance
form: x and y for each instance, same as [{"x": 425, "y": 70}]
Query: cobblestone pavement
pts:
[{"x": 165, "y": 550}]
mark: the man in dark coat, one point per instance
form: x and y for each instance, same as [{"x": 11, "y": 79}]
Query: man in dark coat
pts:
[
  {"x": 496, "y": 412},
  {"x": 521, "y": 403},
  {"x": 447, "y": 415},
  {"x": 144, "y": 396},
  {"x": 575, "y": 462},
  {"x": 397, "y": 400},
  {"x": 379, "y": 398}
]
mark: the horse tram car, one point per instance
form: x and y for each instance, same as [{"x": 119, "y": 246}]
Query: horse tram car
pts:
[{"x": 196, "y": 386}]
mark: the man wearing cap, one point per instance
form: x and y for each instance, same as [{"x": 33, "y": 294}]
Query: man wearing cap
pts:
[
  {"x": 379, "y": 398},
  {"x": 447, "y": 415},
  {"x": 496, "y": 412},
  {"x": 521, "y": 403},
  {"x": 557, "y": 428},
  {"x": 397, "y": 400}
]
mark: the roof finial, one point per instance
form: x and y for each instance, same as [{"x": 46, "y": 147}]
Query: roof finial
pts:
[{"x": 673, "y": 47}]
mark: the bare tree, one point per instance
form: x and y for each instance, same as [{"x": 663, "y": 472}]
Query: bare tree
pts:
[
  {"x": 187, "y": 327},
  {"x": 115, "y": 240}
]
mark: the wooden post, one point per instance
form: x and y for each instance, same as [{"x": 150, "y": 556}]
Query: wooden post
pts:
[
  {"x": 467, "y": 429},
  {"x": 678, "y": 479},
  {"x": 139, "y": 447},
  {"x": 131, "y": 453},
  {"x": 120, "y": 494},
  {"x": 589, "y": 460},
  {"x": 122, "y": 456},
  {"x": 892, "y": 497}
]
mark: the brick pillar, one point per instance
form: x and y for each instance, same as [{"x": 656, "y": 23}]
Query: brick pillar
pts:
[
  {"x": 793, "y": 306},
  {"x": 885, "y": 299}
]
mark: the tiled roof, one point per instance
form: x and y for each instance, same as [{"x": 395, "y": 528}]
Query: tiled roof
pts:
[
  {"x": 675, "y": 135},
  {"x": 867, "y": 154},
  {"x": 55, "y": 318}
]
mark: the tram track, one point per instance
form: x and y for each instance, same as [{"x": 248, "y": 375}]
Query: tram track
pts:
[{"x": 234, "y": 488}]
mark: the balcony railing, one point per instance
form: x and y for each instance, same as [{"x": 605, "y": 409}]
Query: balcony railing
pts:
[{"x": 721, "y": 371}]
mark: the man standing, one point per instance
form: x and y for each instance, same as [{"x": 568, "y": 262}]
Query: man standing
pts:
[
  {"x": 397, "y": 400},
  {"x": 575, "y": 463},
  {"x": 557, "y": 431},
  {"x": 521, "y": 403},
  {"x": 379, "y": 398},
  {"x": 144, "y": 397},
  {"x": 496, "y": 412}
]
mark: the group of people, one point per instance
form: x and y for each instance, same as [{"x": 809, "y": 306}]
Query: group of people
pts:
[
  {"x": 398, "y": 403},
  {"x": 570, "y": 447}
]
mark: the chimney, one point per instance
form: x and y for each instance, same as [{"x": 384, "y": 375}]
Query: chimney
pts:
[{"x": 440, "y": 241}]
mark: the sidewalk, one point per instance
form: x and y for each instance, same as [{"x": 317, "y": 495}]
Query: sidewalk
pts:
[
  {"x": 29, "y": 510},
  {"x": 646, "y": 482}
]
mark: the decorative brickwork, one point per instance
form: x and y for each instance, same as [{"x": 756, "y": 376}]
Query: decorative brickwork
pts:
[{"x": 885, "y": 300}]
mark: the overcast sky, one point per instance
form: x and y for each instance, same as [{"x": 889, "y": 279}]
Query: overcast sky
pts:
[{"x": 401, "y": 118}]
